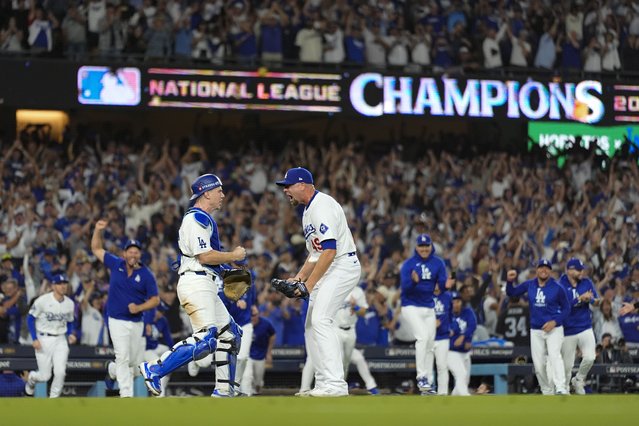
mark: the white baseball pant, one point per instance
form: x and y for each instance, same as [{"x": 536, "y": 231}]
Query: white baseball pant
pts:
[
  {"x": 52, "y": 356},
  {"x": 586, "y": 342},
  {"x": 253, "y": 378},
  {"x": 441, "y": 359},
  {"x": 459, "y": 366},
  {"x": 243, "y": 355},
  {"x": 546, "y": 348},
  {"x": 347, "y": 342},
  {"x": 322, "y": 343},
  {"x": 357, "y": 358},
  {"x": 128, "y": 344},
  {"x": 198, "y": 296},
  {"x": 423, "y": 323}
]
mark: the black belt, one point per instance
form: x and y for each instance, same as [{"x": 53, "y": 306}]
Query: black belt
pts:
[
  {"x": 351, "y": 253},
  {"x": 50, "y": 335},
  {"x": 346, "y": 328},
  {"x": 195, "y": 272}
]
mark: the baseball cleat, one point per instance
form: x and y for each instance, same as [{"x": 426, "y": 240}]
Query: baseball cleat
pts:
[
  {"x": 151, "y": 380},
  {"x": 303, "y": 393},
  {"x": 423, "y": 385},
  {"x": 109, "y": 381},
  {"x": 578, "y": 385},
  {"x": 373, "y": 391},
  {"x": 29, "y": 386},
  {"x": 217, "y": 394}
]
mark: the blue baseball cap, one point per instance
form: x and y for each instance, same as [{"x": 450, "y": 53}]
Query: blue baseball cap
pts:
[
  {"x": 455, "y": 295},
  {"x": 424, "y": 240},
  {"x": 544, "y": 262},
  {"x": 204, "y": 184},
  {"x": 59, "y": 279},
  {"x": 575, "y": 263},
  {"x": 296, "y": 175},
  {"x": 131, "y": 243}
]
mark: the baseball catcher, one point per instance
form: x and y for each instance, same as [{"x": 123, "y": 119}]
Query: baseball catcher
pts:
[
  {"x": 289, "y": 287},
  {"x": 236, "y": 283}
]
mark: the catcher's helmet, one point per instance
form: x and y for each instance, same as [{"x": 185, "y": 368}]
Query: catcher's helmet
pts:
[{"x": 203, "y": 184}]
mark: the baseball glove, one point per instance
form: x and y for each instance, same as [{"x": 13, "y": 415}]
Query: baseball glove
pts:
[
  {"x": 288, "y": 287},
  {"x": 236, "y": 283}
]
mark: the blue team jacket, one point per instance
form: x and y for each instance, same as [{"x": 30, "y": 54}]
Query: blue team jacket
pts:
[
  {"x": 463, "y": 324},
  {"x": 579, "y": 318},
  {"x": 549, "y": 302},
  {"x": 421, "y": 293},
  {"x": 443, "y": 312}
]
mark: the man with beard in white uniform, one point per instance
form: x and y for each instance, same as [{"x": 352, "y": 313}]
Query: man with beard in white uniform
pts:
[
  {"x": 355, "y": 305},
  {"x": 330, "y": 272}
]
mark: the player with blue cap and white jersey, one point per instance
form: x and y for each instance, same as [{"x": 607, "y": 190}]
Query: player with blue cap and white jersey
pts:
[
  {"x": 50, "y": 323},
  {"x": 330, "y": 272},
  {"x": 132, "y": 290},
  {"x": 200, "y": 270},
  {"x": 578, "y": 330},
  {"x": 549, "y": 307},
  {"x": 418, "y": 277}
]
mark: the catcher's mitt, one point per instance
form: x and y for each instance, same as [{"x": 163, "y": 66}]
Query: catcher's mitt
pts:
[
  {"x": 236, "y": 283},
  {"x": 288, "y": 287}
]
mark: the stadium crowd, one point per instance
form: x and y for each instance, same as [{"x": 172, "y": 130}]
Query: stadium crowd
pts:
[
  {"x": 486, "y": 213},
  {"x": 439, "y": 35}
]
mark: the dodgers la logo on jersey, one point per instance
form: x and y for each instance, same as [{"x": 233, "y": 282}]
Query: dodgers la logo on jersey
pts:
[
  {"x": 462, "y": 325},
  {"x": 575, "y": 294},
  {"x": 323, "y": 228},
  {"x": 540, "y": 298},
  {"x": 439, "y": 307},
  {"x": 137, "y": 278},
  {"x": 426, "y": 274},
  {"x": 308, "y": 230}
]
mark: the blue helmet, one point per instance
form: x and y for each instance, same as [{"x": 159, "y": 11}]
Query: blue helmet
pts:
[{"x": 203, "y": 184}]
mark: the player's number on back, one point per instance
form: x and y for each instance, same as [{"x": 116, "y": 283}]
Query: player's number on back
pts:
[{"x": 515, "y": 326}]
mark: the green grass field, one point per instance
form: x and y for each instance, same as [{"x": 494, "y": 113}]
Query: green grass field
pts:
[{"x": 516, "y": 410}]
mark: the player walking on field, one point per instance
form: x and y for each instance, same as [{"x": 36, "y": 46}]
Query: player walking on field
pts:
[
  {"x": 330, "y": 272},
  {"x": 200, "y": 271},
  {"x": 549, "y": 307},
  {"x": 578, "y": 324},
  {"x": 418, "y": 277},
  {"x": 50, "y": 323},
  {"x": 132, "y": 290}
]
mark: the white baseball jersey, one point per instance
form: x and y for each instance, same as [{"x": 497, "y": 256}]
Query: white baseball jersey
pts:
[
  {"x": 345, "y": 316},
  {"x": 324, "y": 219},
  {"x": 52, "y": 316},
  {"x": 194, "y": 239},
  {"x": 93, "y": 327}
]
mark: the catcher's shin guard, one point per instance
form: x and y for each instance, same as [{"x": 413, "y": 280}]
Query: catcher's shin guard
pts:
[
  {"x": 195, "y": 347},
  {"x": 228, "y": 346}
]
